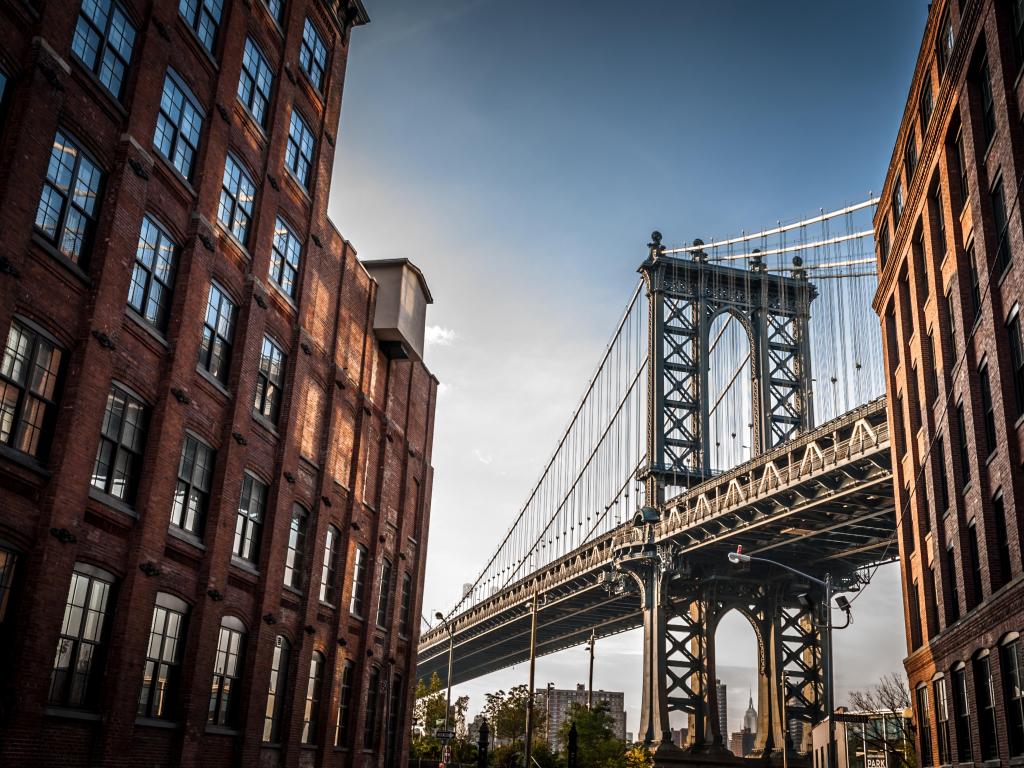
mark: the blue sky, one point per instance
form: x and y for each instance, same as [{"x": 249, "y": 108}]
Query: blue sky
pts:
[{"x": 521, "y": 153}]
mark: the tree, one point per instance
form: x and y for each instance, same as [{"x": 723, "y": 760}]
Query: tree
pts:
[
  {"x": 598, "y": 745},
  {"x": 506, "y": 714},
  {"x": 638, "y": 756},
  {"x": 428, "y": 713},
  {"x": 894, "y": 735}
]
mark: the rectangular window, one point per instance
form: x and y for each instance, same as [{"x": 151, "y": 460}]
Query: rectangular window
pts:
[
  {"x": 939, "y": 459},
  {"x": 29, "y": 373},
  {"x": 1002, "y": 537},
  {"x": 153, "y": 274},
  {"x": 942, "y": 720},
  {"x": 341, "y": 731},
  {"x": 951, "y": 314},
  {"x": 972, "y": 266},
  {"x": 1002, "y": 232},
  {"x": 192, "y": 493},
  {"x": 932, "y": 614},
  {"x": 940, "y": 221},
  {"x": 394, "y": 715},
  {"x": 78, "y": 665},
  {"x": 987, "y": 410},
  {"x": 1013, "y": 330},
  {"x": 925, "y": 104},
  {"x": 883, "y": 243},
  {"x": 313, "y": 55},
  {"x": 945, "y": 42},
  {"x": 976, "y": 576},
  {"x": 66, "y": 215},
  {"x": 311, "y": 714},
  {"x": 269, "y": 380},
  {"x": 986, "y": 709},
  {"x": 358, "y": 580},
  {"x": 406, "y": 606},
  {"x": 384, "y": 595},
  {"x": 914, "y": 604},
  {"x": 931, "y": 369},
  {"x": 965, "y": 449},
  {"x": 237, "y": 193},
  {"x": 897, "y": 204},
  {"x": 103, "y": 42},
  {"x": 255, "y": 82},
  {"x": 296, "y": 556},
  {"x": 276, "y": 8},
  {"x": 161, "y": 675},
  {"x": 227, "y": 671},
  {"x": 249, "y": 524},
  {"x": 910, "y": 156},
  {"x": 122, "y": 438},
  {"x": 988, "y": 107},
  {"x": 8, "y": 560},
  {"x": 284, "y": 258},
  {"x": 954, "y": 593},
  {"x": 962, "y": 716},
  {"x": 372, "y": 700},
  {"x": 298, "y": 156},
  {"x": 277, "y": 692},
  {"x": 203, "y": 16},
  {"x": 924, "y": 726},
  {"x": 218, "y": 334},
  {"x": 1013, "y": 689},
  {"x": 178, "y": 125},
  {"x": 328, "y": 575},
  {"x": 961, "y": 168}
]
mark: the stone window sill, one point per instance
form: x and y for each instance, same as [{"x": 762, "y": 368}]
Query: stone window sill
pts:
[
  {"x": 113, "y": 502},
  {"x": 153, "y": 722},
  {"x": 60, "y": 258},
  {"x": 73, "y": 714}
]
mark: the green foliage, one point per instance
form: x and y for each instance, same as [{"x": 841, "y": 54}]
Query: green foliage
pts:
[
  {"x": 506, "y": 715},
  {"x": 598, "y": 746},
  {"x": 428, "y": 713},
  {"x": 638, "y": 756}
]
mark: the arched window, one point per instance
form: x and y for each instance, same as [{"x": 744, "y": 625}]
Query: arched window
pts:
[
  {"x": 384, "y": 596},
  {"x": 77, "y": 667},
  {"x": 227, "y": 669},
  {"x": 295, "y": 558},
  {"x": 372, "y": 703},
  {"x": 161, "y": 673},
  {"x": 1013, "y": 681},
  {"x": 341, "y": 729},
  {"x": 314, "y": 687},
  {"x": 986, "y": 700},
  {"x": 276, "y": 690},
  {"x": 329, "y": 575}
]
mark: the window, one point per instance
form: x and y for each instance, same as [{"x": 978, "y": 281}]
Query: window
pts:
[
  {"x": 66, "y": 215},
  {"x": 227, "y": 669},
  {"x": 299, "y": 155},
  {"x": 942, "y": 720},
  {"x": 328, "y": 576},
  {"x": 951, "y": 314},
  {"x": 202, "y": 16},
  {"x": 406, "y": 606},
  {"x": 1002, "y": 547},
  {"x": 78, "y": 664},
  {"x": 313, "y": 55},
  {"x": 311, "y": 715},
  {"x": 946, "y": 41},
  {"x": 284, "y": 258},
  {"x": 965, "y": 451},
  {"x": 954, "y": 593},
  {"x": 924, "y": 726},
  {"x": 914, "y": 604},
  {"x": 987, "y": 410},
  {"x": 119, "y": 455},
  {"x": 962, "y": 716},
  {"x": 972, "y": 543},
  {"x": 910, "y": 155},
  {"x": 1013, "y": 330},
  {"x": 988, "y": 107},
  {"x": 931, "y": 369},
  {"x": 269, "y": 380},
  {"x": 296, "y": 548},
  {"x": 103, "y": 42},
  {"x": 1018, "y": 27},
  {"x": 394, "y": 708},
  {"x": 8, "y": 560},
  {"x": 1003, "y": 254},
  {"x": 986, "y": 708},
  {"x": 972, "y": 266},
  {"x": 192, "y": 492},
  {"x": 28, "y": 381},
  {"x": 384, "y": 595},
  {"x": 925, "y": 104},
  {"x": 178, "y": 125},
  {"x": 276, "y": 8},
  {"x": 883, "y": 243},
  {"x": 897, "y": 204},
  {"x": 1013, "y": 683},
  {"x": 153, "y": 274},
  {"x": 961, "y": 168},
  {"x": 358, "y": 580},
  {"x": 162, "y": 671},
  {"x": 940, "y": 221},
  {"x": 251, "y": 506},
  {"x": 372, "y": 699},
  {"x": 276, "y": 694},
  {"x": 341, "y": 731},
  {"x": 939, "y": 468},
  {"x": 237, "y": 193},
  {"x": 255, "y": 81},
  {"x": 218, "y": 333}
]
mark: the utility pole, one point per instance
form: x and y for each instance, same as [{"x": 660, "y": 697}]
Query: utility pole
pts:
[
  {"x": 529, "y": 697},
  {"x": 590, "y": 683}
]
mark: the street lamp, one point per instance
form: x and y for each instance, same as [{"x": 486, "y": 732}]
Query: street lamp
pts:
[
  {"x": 451, "y": 648},
  {"x": 738, "y": 558}
]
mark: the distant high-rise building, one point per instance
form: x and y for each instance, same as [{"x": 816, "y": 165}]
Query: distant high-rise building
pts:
[
  {"x": 557, "y": 703},
  {"x": 741, "y": 743},
  {"x": 680, "y": 736},
  {"x": 723, "y": 708},
  {"x": 750, "y": 716}
]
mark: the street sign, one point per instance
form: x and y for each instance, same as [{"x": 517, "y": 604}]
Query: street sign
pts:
[{"x": 445, "y": 735}]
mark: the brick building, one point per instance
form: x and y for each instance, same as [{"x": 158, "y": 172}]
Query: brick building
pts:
[
  {"x": 951, "y": 286},
  {"x": 215, "y": 428}
]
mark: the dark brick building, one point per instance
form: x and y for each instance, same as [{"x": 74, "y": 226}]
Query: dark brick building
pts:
[
  {"x": 951, "y": 258},
  {"x": 215, "y": 428}
]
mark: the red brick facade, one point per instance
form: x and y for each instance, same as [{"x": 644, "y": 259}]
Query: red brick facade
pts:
[
  {"x": 951, "y": 288},
  {"x": 141, "y": 516}
]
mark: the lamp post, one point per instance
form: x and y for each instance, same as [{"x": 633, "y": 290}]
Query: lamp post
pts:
[
  {"x": 738, "y": 558},
  {"x": 528, "y": 747},
  {"x": 451, "y": 648},
  {"x": 590, "y": 682}
]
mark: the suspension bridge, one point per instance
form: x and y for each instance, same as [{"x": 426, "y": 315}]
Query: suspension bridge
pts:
[{"x": 740, "y": 401}]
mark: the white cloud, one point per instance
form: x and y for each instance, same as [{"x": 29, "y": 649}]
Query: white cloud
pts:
[{"x": 441, "y": 336}]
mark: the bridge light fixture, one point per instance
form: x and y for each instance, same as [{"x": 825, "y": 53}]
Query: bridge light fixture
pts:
[{"x": 736, "y": 558}]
